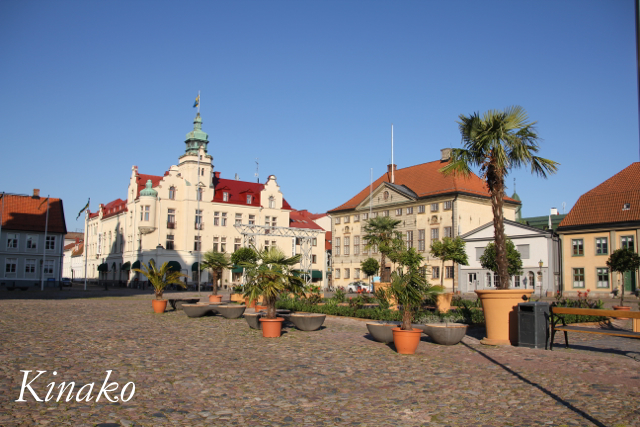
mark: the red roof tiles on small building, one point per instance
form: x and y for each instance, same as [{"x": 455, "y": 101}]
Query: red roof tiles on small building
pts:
[
  {"x": 237, "y": 192},
  {"x": 114, "y": 208},
  {"x": 29, "y": 214},
  {"x": 300, "y": 219}
]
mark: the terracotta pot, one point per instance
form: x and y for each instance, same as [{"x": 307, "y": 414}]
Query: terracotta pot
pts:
[
  {"x": 500, "y": 314},
  {"x": 443, "y": 302},
  {"x": 621, "y": 308},
  {"x": 406, "y": 342},
  {"x": 271, "y": 328},
  {"x": 215, "y": 298},
  {"x": 260, "y": 307},
  {"x": 159, "y": 305},
  {"x": 252, "y": 305}
]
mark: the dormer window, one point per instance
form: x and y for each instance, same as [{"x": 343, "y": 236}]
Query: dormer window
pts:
[
  {"x": 626, "y": 206},
  {"x": 225, "y": 196},
  {"x": 172, "y": 193},
  {"x": 248, "y": 200}
]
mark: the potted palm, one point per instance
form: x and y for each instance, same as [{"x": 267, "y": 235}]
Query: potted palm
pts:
[
  {"x": 448, "y": 249},
  {"x": 497, "y": 142},
  {"x": 160, "y": 279},
  {"x": 621, "y": 261},
  {"x": 216, "y": 262},
  {"x": 240, "y": 256},
  {"x": 380, "y": 232},
  {"x": 269, "y": 276}
]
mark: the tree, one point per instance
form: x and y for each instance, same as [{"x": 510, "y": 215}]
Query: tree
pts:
[
  {"x": 216, "y": 262},
  {"x": 489, "y": 261},
  {"x": 497, "y": 142},
  {"x": 271, "y": 275},
  {"x": 380, "y": 232},
  {"x": 243, "y": 255},
  {"x": 370, "y": 266},
  {"x": 161, "y": 278},
  {"x": 449, "y": 249},
  {"x": 621, "y": 261}
]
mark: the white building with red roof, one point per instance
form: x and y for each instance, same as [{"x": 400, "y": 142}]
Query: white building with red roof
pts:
[{"x": 189, "y": 210}]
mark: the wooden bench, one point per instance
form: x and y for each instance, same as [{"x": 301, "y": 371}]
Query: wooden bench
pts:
[{"x": 557, "y": 315}]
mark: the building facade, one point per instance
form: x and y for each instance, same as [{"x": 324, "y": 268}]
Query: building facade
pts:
[
  {"x": 191, "y": 209},
  {"x": 429, "y": 205},
  {"x": 31, "y": 249},
  {"x": 603, "y": 219}
]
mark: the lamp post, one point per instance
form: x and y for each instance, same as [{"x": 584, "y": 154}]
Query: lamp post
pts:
[{"x": 540, "y": 263}]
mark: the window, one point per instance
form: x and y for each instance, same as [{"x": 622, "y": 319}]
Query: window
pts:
[
  {"x": 399, "y": 212},
  {"x": 578, "y": 277},
  {"x": 385, "y": 213},
  {"x": 216, "y": 218},
  {"x": 365, "y": 216},
  {"x": 347, "y": 273},
  {"x": 446, "y": 205},
  {"x": 248, "y": 199},
  {"x": 314, "y": 241},
  {"x": 223, "y": 219},
  {"x": 578, "y": 247},
  {"x": 435, "y": 234},
  {"x": 603, "y": 277},
  {"x": 496, "y": 280},
  {"x": 434, "y": 207},
  {"x": 225, "y": 196},
  {"x": 523, "y": 249},
  {"x": 238, "y": 218},
  {"x": 516, "y": 281},
  {"x": 272, "y": 202},
  {"x": 346, "y": 229},
  {"x": 409, "y": 210},
  {"x": 144, "y": 213},
  {"x": 216, "y": 242},
  {"x": 347, "y": 241},
  {"x": 356, "y": 218},
  {"x": 337, "y": 221},
  {"x": 626, "y": 206},
  {"x": 601, "y": 246},
  {"x": 199, "y": 194},
  {"x": 48, "y": 267},
  {"x": 50, "y": 242},
  {"x": 337, "y": 248},
  {"x": 172, "y": 193},
  {"x": 448, "y": 272},
  {"x": 170, "y": 245},
  {"x": 337, "y": 273},
  {"x": 435, "y": 272},
  {"x": 356, "y": 245},
  {"x": 421, "y": 236},
  {"x": 30, "y": 266},
  {"x": 236, "y": 244},
  {"x": 447, "y": 232},
  {"x": 421, "y": 209},
  {"x": 487, "y": 280},
  {"x": 171, "y": 218},
  {"x": 409, "y": 239},
  {"x": 374, "y": 249},
  {"x": 252, "y": 219},
  {"x": 374, "y": 214},
  {"x": 197, "y": 243},
  {"x": 12, "y": 241},
  {"x": 626, "y": 242},
  {"x": 32, "y": 242},
  {"x": 347, "y": 219},
  {"x": 198, "y": 220},
  {"x": 356, "y": 273},
  {"x": 10, "y": 267},
  {"x": 479, "y": 252},
  {"x": 274, "y": 221},
  {"x": 223, "y": 244},
  {"x": 423, "y": 271},
  {"x": 314, "y": 259}
]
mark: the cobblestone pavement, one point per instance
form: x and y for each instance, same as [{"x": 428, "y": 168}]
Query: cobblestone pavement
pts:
[{"x": 213, "y": 371}]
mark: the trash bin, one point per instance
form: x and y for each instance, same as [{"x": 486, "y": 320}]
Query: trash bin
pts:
[{"x": 533, "y": 324}]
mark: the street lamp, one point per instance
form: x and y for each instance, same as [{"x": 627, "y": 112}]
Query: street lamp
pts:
[{"x": 540, "y": 263}]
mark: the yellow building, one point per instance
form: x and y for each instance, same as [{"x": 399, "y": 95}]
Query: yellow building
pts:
[
  {"x": 604, "y": 219},
  {"x": 430, "y": 205}
]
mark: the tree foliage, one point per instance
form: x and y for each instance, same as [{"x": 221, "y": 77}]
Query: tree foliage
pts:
[
  {"x": 243, "y": 255},
  {"x": 621, "y": 261},
  {"x": 380, "y": 232},
  {"x": 370, "y": 266},
  {"x": 216, "y": 262},
  {"x": 514, "y": 262},
  {"x": 449, "y": 249}
]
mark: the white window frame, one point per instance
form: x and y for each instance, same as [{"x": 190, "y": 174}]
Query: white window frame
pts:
[
  {"x": 8, "y": 270},
  {"x": 50, "y": 242},
  {"x": 32, "y": 242},
  {"x": 12, "y": 241}
]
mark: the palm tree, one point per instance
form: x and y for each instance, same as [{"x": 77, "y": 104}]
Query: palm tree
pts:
[
  {"x": 497, "y": 142},
  {"x": 271, "y": 275},
  {"x": 381, "y": 232},
  {"x": 216, "y": 262},
  {"x": 161, "y": 278}
]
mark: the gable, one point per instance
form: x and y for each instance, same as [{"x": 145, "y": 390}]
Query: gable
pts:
[
  {"x": 386, "y": 195},
  {"x": 511, "y": 229}
]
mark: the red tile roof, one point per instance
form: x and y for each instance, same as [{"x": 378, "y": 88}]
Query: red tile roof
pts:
[
  {"x": 69, "y": 246},
  {"x": 74, "y": 235},
  {"x": 141, "y": 180},
  {"x": 29, "y": 214},
  {"x": 238, "y": 192},
  {"x": 114, "y": 208},
  {"x": 301, "y": 219},
  {"x": 425, "y": 180},
  {"x": 605, "y": 203},
  {"x": 78, "y": 251}
]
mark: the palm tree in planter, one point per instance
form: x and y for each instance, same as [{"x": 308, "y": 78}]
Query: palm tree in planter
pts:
[
  {"x": 216, "y": 262},
  {"x": 160, "y": 279},
  {"x": 381, "y": 232},
  {"x": 497, "y": 142},
  {"x": 240, "y": 256},
  {"x": 621, "y": 261},
  {"x": 271, "y": 275},
  {"x": 448, "y": 249}
]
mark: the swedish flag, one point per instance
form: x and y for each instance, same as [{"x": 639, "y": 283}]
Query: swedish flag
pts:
[
  {"x": 197, "y": 103},
  {"x": 84, "y": 209}
]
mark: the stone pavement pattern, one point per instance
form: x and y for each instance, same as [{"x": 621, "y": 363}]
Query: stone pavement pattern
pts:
[{"x": 213, "y": 371}]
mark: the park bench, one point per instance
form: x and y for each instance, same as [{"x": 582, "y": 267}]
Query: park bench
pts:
[{"x": 558, "y": 313}]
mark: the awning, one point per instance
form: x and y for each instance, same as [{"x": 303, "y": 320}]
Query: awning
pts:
[
  {"x": 194, "y": 267},
  {"x": 174, "y": 266},
  {"x": 136, "y": 265},
  {"x": 103, "y": 267},
  {"x": 316, "y": 274},
  {"x": 126, "y": 266},
  {"x": 237, "y": 269}
]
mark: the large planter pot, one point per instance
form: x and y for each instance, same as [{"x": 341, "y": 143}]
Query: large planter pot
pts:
[
  {"x": 177, "y": 303},
  {"x": 196, "y": 310},
  {"x": 446, "y": 333},
  {"x": 236, "y": 298},
  {"x": 621, "y": 308},
  {"x": 260, "y": 307},
  {"x": 215, "y": 298},
  {"x": 252, "y": 305},
  {"x": 406, "y": 342},
  {"x": 382, "y": 332},
  {"x": 253, "y": 320},
  {"x": 500, "y": 314},
  {"x": 159, "y": 305},
  {"x": 271, "y": 328},
  {"x": 307, "y": 321},
  {"x": 231, "y": 311},
  {"x": 443, "y": 302}
]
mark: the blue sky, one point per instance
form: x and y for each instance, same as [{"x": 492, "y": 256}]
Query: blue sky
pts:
[{"x": 310, "y": 88}]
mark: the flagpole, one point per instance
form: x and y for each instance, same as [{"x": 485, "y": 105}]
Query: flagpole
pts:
[
  {"x": 44, "y": 247},
  {"x": 84, "y": 244},
  {"x": 2, "y": 210},
  {"x": 199, "y": 102}
]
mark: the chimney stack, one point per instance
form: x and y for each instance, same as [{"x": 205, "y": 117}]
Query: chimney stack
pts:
[
  {"x": 554, "y": 211},
  {"x": 390, "y": 169},
  {"x": 216, "y": 175},
  {"x": 445, "y": 154},
  {"x": 36, "y": 193}
]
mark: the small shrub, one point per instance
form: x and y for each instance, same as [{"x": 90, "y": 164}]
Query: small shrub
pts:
[{"x": 340, "y": 295}]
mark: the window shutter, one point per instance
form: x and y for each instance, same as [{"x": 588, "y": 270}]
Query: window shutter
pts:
[{"x": 524, "y": 251}]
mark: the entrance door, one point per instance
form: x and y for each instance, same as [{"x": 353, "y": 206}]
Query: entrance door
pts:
[
  {"x": 472, "y": 283},
  {"x": 629, "y": 277}
]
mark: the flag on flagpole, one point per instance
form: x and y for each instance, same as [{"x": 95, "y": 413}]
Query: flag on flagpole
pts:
[
  {"x": 197, "y": 103},
  {"x": 84, "y": 209}
]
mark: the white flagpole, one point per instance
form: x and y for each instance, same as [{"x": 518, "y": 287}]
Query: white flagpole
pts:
[
  {"x": 84, "y": 244},
  {"x": 44, "y": 247},
  {"x": 2, "y": 210}
]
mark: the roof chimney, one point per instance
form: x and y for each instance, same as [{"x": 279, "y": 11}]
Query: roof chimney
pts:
[
  {"x": 554, "y": 211},
  {"x": 36, "y": 193},
  {"x": 445, "y": 154},
  {"x": 390, "y": 169},
  {"x": 216, "y": 175}
]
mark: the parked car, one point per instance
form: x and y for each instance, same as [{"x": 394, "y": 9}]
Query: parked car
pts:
[
  {"x": 357, "y": 287},
  {"x": 65, "y": 281}
]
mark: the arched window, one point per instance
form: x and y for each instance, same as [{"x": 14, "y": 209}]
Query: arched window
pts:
[
  {"x": 532, "y": 280},
  {"x": 272, "y": 202},
  {"x": 488, "y": 280},
  {"x": 200, "y": 194},
  {"x": 172, "y": 193}
]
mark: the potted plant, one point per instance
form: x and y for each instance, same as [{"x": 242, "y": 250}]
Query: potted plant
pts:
[
  {"x": 621, "y": 261},
  {"x": 240, "y": 256},
  {"x": 160, "y": 279},
  {"x": 216, "y": 262},
  {"x": 497, "y": 142},
  {"x": 269, "y": 276},
  {"x": 380, "y": 232},
  {"x": 448, "y": 249}
]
